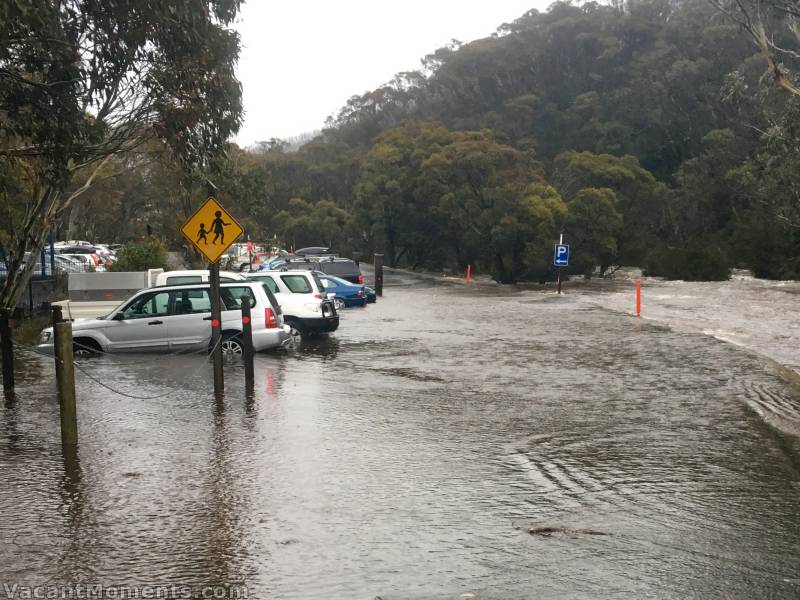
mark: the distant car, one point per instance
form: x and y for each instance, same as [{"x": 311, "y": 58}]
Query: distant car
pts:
[
  {"x": 85, "y": 261},
  {"x": 344, "y": 268},
  {"x": 345, "y": 293},
  {"x": 313, "y": 251},
  {"x": 303, "y": 299},
  {"x": 178, "y": 317}
]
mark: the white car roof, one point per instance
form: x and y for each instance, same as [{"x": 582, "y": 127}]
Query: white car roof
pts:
[
  {"x": 279, "y": 272},
  {"x": 188, "y": 272}
]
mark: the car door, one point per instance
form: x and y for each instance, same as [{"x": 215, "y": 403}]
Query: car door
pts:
[
  {"x": 190, "y": 322},
  {"x": 142, "y": 325}
]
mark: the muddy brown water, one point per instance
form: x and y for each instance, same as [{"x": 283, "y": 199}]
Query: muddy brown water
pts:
[{"x": 408, "y": 455}]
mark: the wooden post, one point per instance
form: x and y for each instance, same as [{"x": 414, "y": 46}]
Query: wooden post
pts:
[
  {"x": 65, "y": 377},
  {"x": 379, "y": 274},
  {"x": 216, "y": 329},
  {"x": 247, "y": 341},
  {"x": 6, "y": 330},
  {"x": 558, "y": 269}
]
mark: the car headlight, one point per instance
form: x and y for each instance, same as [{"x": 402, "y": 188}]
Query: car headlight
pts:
[{"x": 45, "y": 336}]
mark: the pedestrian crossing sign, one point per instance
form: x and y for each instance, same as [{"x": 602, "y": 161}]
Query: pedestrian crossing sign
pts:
[{"x": 211, "y": 229}]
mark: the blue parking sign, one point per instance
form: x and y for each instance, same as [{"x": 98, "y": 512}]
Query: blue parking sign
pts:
[{"x": 561, "y": 255}]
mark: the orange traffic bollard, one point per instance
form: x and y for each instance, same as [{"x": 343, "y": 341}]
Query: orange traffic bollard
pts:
[
  {"x": 469, "y": 274},
  {"x": 638, "y": 297}
]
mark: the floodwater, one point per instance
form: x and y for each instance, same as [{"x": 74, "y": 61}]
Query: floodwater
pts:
[{"x": 408, "y": 455}]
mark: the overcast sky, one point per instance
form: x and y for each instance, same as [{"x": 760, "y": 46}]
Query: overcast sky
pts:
[{"x": 302, "y": 59}]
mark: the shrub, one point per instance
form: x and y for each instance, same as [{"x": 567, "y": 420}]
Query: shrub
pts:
[
  {"x": 150, "y": 253},
  {"x": 694, "y": 263}
]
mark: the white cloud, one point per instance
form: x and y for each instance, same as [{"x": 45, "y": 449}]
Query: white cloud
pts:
[{"x": 302, "y": 59}]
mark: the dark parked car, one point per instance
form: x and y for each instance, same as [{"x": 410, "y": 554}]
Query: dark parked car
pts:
[{"x": 331, "y": 265}]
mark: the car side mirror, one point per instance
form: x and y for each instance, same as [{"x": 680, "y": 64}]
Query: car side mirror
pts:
[{"x": 118, "y": 317}]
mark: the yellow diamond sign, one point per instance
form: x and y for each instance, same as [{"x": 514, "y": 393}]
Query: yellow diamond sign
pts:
[{"x": 211, "y": 229}]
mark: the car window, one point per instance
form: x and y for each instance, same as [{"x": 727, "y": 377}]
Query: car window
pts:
[
  {"x": 272, "y": 299},
  {"x": 232, "y": 296},
  {"x": 344, "y": 267},
  {"x": 297, "y": 284},
  {"x": 190, "y": 301},
  {"x": 318, "y": 281},
  {"x": 179, "y": 279},
  {"x": 155, "y": 304},
  {"x": 328, "y": 283},
  {"x": 268, "y": 282}
]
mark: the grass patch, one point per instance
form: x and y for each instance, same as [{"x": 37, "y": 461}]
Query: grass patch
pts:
[{"x": 26, "y": 331}]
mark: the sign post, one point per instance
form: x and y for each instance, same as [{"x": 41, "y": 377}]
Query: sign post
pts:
[
  {"x": 560, "y": 257},
  {"x": 212, "y": 230}
]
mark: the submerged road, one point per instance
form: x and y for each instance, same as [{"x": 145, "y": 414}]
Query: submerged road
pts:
[{"x": 408, "y": 455}]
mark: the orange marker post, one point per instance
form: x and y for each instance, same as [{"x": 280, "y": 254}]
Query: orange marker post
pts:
[
  {"x": 638, "y": 297},
  {"x": 469, "y": 274}
]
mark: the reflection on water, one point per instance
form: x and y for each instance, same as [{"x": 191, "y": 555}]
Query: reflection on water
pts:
[{"x": 407, "y": 455}]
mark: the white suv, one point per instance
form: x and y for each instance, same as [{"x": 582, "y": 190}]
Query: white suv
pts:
[
  {"x": 304, "y": 302},
  {"x": 178, "y": 317}
]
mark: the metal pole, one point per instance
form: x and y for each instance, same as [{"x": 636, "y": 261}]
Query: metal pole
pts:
[
  {"x": 7, "y": 349},
  {"x": 247, "y": 340},
  {"x": 65, "y": 377},
  {"x": 379, "y": 274},
  {"x": 216, "y": 329},
  {"x": 52, "y": 237},
  {"x": 216, "y": 316},
  {"x": 560, "y": 241}
]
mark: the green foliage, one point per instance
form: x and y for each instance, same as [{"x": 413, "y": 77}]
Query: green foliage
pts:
[
  {"x": 695, "y": 263},
  {"x": 85, "y": 81},
  {"x": 306, "y": 224},
  {"x": 593, "y": 226},
  {"x": 151, "y": 253}
]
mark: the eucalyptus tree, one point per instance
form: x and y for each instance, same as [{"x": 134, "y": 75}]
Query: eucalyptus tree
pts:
[
  {"x": 82, "y": 81},
  {"x": 774, "y": 26}
]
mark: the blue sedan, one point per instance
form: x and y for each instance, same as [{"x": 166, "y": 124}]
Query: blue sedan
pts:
[{"x": 346, "y": 293}]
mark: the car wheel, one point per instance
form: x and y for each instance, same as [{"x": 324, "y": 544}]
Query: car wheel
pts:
[
  {"x": 339, "y": 303},
  {"x": 84, "y": 348},
  {"x": 297, "y": 334},
  {"x": 232, "y": 344}
]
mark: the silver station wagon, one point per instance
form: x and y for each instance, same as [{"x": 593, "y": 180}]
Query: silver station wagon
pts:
[{"x": 177, "y": 317}]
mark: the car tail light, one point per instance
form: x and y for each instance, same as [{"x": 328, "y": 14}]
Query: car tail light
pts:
[
  {"x": 270, "y": 320},
  {"x": 360, "y": 293},
  {"x": 319, "y": 296},
  {"x": 360, "y": 279}
]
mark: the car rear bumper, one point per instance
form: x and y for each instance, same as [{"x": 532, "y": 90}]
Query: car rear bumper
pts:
[
  {"x": 266, "y": 339},
  {"x": 361, "y": 301},
  {"x": 321, "y": 325}
]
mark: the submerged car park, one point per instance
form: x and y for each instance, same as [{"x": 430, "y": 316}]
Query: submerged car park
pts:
[{"x": 288, "y": 307}]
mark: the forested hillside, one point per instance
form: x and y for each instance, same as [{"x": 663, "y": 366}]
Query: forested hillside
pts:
[{"x": 653, "y": 135}]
